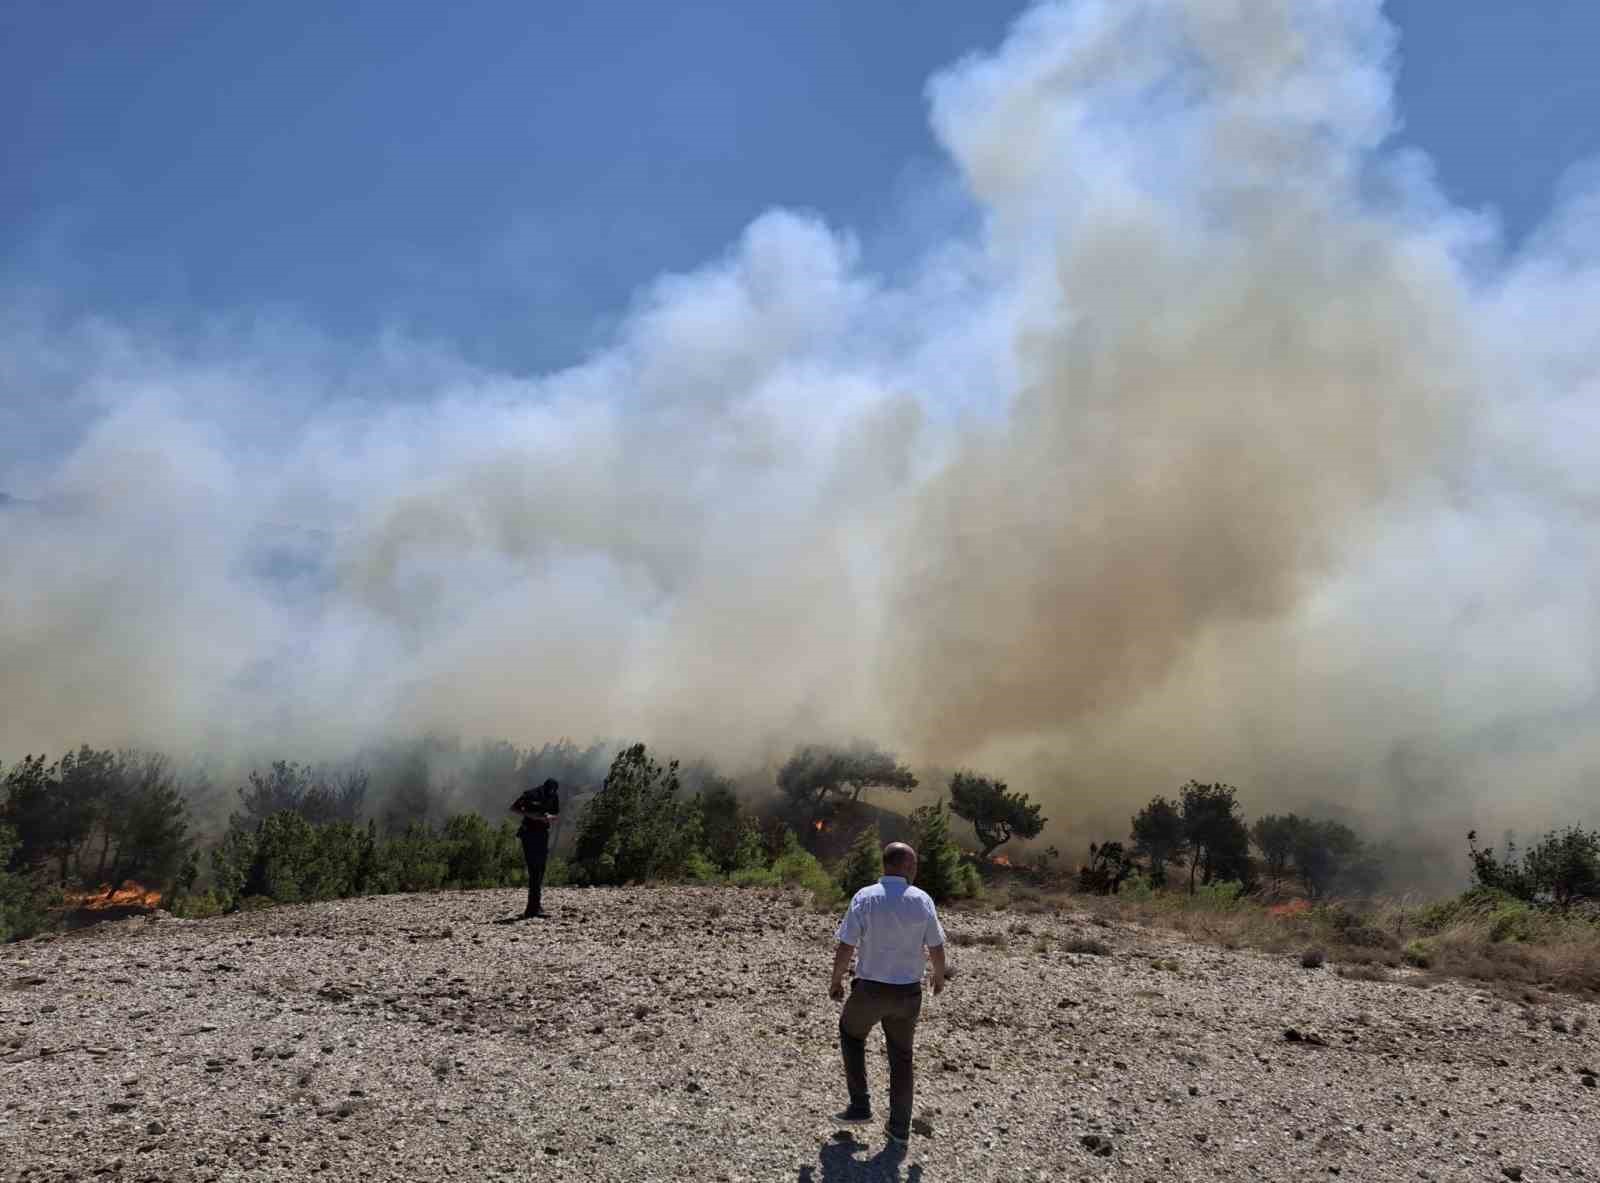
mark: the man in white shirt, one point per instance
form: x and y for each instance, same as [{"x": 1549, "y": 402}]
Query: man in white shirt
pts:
[{"x": 886, "y": 927}]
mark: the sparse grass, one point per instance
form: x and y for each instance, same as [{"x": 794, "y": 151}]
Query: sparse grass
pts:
[
  {"x": 1481, "y": 936},
  {"x": 995, "y": 940},
  {"x": 1365, "y": 972},
  {"x": 1088, "y": 945}
]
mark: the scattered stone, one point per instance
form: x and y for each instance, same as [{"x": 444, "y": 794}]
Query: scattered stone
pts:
[{"x": 1097, "y": 1145}]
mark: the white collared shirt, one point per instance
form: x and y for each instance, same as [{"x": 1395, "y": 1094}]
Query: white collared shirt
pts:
[{"x": 889, "y": 923}]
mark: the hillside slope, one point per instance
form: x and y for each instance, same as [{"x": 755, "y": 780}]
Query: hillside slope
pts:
[{"x": 681, "y": 1033}]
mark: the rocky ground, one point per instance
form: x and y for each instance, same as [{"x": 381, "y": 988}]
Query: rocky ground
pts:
[{"x": 683, "y": 1033}]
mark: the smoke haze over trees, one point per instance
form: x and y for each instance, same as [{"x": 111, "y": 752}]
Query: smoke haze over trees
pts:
[{"x": 1224, "y": 442}]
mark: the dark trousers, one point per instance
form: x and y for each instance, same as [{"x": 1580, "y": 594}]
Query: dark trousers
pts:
[
  {"x": 897, "y": 1008},
  {"x": 536, "y": 853}
]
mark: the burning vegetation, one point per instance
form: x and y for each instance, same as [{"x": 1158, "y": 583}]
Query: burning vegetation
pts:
[{"x": 130, "y": 895}]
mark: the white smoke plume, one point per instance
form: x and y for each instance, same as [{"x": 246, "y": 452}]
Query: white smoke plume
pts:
[{"x": 1227, "y": 448}]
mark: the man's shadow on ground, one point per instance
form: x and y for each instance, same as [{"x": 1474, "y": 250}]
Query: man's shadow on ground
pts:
[{"x": 839, "y": 1164}]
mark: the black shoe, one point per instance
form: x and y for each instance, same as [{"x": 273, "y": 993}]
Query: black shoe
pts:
[
  {"x": 856, "y": 1113},
  {"x": 535, "y": 914},
  {"x": 897, "y": 1137}
]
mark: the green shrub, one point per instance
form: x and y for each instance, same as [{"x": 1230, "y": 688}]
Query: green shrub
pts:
[
  {"x": 970, "y": 884},
  {"x": 798, "y": 867},
  {"x": 24, "y": 898},
  {"x": 284, "y": 860},
  {"x": 755, "y": 877},
  {"x": 480, "y": 855},
  {"x": 1514, "y": 921},
  {"x": 701, "y": 869},
  {"x": 1218, "y": 897},
  {"x": 231, "y": 860},
  {"x": 1506, "y": 916},
  {"x": 413, "y": 860},
  {"x": 198, "y": 905},
  {"x": 1138, "y": 889}
]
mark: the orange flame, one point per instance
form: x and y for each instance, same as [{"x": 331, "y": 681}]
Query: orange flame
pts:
[
  {"x": 1001, "y": 860},
  {"x": 819, "y": 825},
  {"x": 129, "y": 895},
  {"x": 1292, "y": 908}
]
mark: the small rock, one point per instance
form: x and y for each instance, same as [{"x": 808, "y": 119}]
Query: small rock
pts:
[
  {"x": 155, "y": 1127},
  {"x": 120, "y": 1106},
  {"x": 1588, "y": 1081},
  {"x": 1512, "y": 1173}
]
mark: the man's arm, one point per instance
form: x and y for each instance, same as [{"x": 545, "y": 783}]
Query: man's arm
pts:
[
  {"x": 841, "y": 962},
  {"x": 936, "y": 955}
]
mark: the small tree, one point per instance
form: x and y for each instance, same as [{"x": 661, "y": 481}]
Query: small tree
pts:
[
  {"x": 1563, "y": 867},
  {"x": 30, "y": 808},
  {"x": 146, "y": 827},
  {"x": 939, "y": 869},
  {"x": 1274, "y": 837},
  {"x": 724, "y": 824},
  {"x": 863, "y": 862},
  {"x": 1158, "y": 837},
  {"x": 1110, "y": 865},
  {"x": 633, "y": 829},
  {"x": 1218, "y": 846},
  {"x": 816, "y": 775},
  {"x": 1566, "y": 866},
  {"x": 1322, "y": 851},
  {"x": 89, "y": 795},
  {"x": 22, "y": 897},
  {"x": 995, "y": 814},
  {"x": 282, "y": 787}
]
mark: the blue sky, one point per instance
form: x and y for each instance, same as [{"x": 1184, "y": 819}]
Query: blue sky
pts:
[{"x": 502, "y": 176}]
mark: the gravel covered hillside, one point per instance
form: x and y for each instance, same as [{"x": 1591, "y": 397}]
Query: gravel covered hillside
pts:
[{"x": 686, "y": 1034}]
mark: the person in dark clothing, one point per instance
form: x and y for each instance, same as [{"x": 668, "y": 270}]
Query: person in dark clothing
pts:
[{"x": 539, "y": 807}]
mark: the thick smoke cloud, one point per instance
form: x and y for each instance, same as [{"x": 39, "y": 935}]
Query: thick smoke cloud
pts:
[{"x": 1227, "y": 449}]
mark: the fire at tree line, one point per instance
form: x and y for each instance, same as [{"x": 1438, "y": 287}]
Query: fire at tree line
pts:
[{"x": 117, "y": 829}]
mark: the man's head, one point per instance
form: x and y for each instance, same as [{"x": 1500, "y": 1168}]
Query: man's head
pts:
[
  {"x": 900, "y": 859},
  {"x": 550, "y": 784}
]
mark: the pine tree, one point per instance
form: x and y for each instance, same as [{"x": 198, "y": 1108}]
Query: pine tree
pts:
[
  {"x": 939, "y": 858},
  {"x": 863, "y": 863}
]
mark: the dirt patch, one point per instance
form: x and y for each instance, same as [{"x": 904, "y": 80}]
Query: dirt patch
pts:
[{"x": 683, "y": 1033}]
